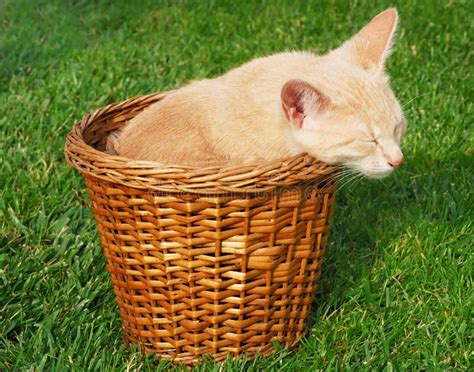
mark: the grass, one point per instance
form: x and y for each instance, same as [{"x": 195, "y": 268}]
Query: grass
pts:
[{"x": 396, "y": 291}]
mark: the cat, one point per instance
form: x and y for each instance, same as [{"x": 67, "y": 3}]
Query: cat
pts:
[{"x": 337, "y": 107}]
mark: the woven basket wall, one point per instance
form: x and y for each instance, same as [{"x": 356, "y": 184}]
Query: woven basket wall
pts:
[{"x": 210, "y": 261}]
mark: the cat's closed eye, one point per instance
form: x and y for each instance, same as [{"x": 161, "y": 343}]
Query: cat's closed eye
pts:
[{"x": 370, "y": 141}]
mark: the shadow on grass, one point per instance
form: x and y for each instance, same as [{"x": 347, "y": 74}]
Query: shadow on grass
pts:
[{"x": 371, "y": 215}]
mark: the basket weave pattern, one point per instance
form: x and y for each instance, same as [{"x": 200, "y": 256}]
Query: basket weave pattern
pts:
[{"x": 205, "y": 261}]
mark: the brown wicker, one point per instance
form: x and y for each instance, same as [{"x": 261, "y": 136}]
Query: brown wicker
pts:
[{"x": 206, "y": 261}]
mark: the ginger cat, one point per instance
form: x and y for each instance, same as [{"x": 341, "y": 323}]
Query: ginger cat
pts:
[{"x": 337, "y": 107}]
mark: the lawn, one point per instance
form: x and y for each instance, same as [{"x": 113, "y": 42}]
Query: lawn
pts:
[{"x": 396, "y": 290}]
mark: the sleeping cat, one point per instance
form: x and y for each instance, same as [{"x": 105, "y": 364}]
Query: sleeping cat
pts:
[{"x": 338, "y": 107}]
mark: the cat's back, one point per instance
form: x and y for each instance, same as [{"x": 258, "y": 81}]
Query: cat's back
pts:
[
  {"x": 208, "y": 116},
  {"x": 272, "y": 69},
  {"x": 169, "y": 128}
]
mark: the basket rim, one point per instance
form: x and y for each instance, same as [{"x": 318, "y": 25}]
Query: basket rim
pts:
[{"x": 171, "y": 178}]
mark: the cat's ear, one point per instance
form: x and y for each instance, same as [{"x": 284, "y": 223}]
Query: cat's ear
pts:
[
  {"x": 299, "y": 99},
  {"x": 372, "y": 45}
]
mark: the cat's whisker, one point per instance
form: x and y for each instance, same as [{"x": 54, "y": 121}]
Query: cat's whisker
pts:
[
  {"x": 348, "y": 179},
  {"x": 332, "y": 179},
  {"x": 341, "y": 176},
  {"x": 344, "y": 177},
  {"x": 358, "y": 180},
  {"x": 404, "y": 105},
  {"x": 347, "y": 182},
  {"x": 336, "y": 177},
  {"x": 354, "y": 180},
  {"x": 409, "y": 111}
]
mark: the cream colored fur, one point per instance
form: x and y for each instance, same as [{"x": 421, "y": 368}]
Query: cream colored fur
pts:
[{"x": 338, "y": 107}]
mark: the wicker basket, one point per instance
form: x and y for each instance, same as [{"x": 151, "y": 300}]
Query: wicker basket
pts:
[{"x": 209, "y": 261}]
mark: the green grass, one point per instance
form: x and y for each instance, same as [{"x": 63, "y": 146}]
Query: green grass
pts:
[{"x": 396, "y": 291}]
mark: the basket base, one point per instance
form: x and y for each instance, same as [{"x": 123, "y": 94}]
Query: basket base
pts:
[{"x": 191, "y": 359}]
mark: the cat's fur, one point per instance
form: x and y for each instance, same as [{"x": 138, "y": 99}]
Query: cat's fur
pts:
[{"x": 338, "y": 107}]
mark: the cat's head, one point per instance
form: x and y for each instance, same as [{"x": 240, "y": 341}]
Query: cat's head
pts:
[{"x": 347, "y": 114}]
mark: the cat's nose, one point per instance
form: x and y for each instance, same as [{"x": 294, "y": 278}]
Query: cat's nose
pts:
[{"x": 396, "y": 163}]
